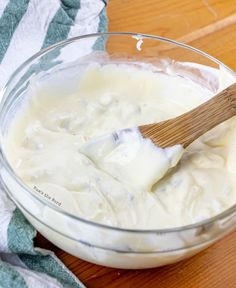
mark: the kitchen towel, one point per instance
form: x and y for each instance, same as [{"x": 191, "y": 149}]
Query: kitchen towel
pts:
[{"x": 26, "y": 26}]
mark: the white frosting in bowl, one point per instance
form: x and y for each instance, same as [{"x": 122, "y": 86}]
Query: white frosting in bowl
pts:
[{"x": 122, "y": 185}]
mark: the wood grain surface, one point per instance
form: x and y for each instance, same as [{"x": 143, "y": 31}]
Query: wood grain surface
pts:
[{"x": 209, "y": 25}]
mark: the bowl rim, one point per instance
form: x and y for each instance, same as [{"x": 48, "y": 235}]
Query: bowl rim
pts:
[{"x": 28, "y": 190}]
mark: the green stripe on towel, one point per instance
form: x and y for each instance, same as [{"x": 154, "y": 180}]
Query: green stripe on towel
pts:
[
  {"x": 61, "y": 23},
  {"x": 11, "y": 17},
  {"x": 20, "y": 234},
  {"x": 47, "y": 264},
  {"x": 102, "y": 27},
  {"x": 10, "y": 278}
]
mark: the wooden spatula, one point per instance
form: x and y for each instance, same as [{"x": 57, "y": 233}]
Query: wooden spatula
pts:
[{"x": 187, "y": 127}]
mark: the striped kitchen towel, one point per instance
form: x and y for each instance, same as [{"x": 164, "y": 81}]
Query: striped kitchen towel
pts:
[{"x": 26, "y": 26}]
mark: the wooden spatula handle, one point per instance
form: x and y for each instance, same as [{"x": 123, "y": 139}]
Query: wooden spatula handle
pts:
[{"x": 187, "y": 127}]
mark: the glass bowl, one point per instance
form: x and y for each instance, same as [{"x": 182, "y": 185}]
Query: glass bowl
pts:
[{"x": 94, "y": 242}]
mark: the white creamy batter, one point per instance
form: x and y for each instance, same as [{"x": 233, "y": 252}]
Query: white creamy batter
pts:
[
  {"x": 131, "y": 159},
  {"x": 121, "y": 184}
]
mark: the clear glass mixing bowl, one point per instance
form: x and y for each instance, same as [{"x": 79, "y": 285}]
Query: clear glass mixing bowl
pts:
[{"x": 97, "y": 243}]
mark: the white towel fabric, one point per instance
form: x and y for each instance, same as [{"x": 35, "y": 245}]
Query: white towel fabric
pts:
[{"x": 26, "y": 26}]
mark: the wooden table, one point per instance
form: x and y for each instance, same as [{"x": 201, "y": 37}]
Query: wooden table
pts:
[{"x": 209, "y": 25}]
